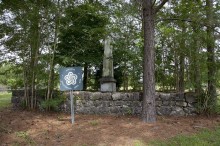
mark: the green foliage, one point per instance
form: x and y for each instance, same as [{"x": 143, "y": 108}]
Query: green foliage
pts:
[
  {"x": 203, "y": 138},
  {"x": 23, "y": 104},
  {"x": 206, "y": 105},
  {"x": 127, "y": 43},
  {"x": 5, "y": 99},
  {"x": 81, "y": 39},
  {"x": 11, "y": 75},
  {"x": 52, "y": 104},
  {"x": 128, "y": 111},
  {"x": 82, "y": 26}
]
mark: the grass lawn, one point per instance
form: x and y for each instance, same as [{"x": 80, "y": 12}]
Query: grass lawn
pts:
[
  {"x": 203, "y": 138},
  {"x": 5, "y": 99}
]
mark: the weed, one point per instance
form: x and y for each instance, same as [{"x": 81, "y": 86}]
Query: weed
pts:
[
  {"x": 24, "y": 135},
  {"x": 138, "y": 143},
  {"x": 94, "y": 123},
  {"x": 129, "y": 111}
]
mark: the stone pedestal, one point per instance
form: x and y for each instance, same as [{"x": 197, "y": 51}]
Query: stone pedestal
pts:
[{"x": 108, "y": 84}]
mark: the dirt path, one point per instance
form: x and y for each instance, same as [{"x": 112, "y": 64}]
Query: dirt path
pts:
[{"x": 55, "y": 129}]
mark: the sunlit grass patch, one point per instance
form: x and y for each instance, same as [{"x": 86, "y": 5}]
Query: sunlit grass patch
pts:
[
  {"x": 25, "y": 136},
  {"x": 5, "y": 99},
  {"x": 138, "y": 143},
  {"x": 94, "y": 122},
  {"x": 204, "y": 138}
]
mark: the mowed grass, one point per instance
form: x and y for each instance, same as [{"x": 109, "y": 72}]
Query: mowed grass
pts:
[
  {"x": 5, "y": 99},
  {"x": 203, "y": 138}
]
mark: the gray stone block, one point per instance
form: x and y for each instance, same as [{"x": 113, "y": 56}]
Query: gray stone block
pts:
[
  {"x": 181, "y": 103},
  {"x": 87, "y": 95},
  {"x": 190, "y": 99},
  {"x": 177, "y": 111},
  {"x": 124, "y": 96},
  {"x": 89, "y": 104},
  {"x": 180, "y": 97},
  {"x": 114, "y": 110},
  {"x": 137, "y": 110},
  {"x": 103, "y": 110},
  {"x": 164, "y": 110},
  {"x": 129, "y": 97},
  {"x": 79, "y": 103},
  {"x": 164, "y": 96},
  {"x": 118, "y": 103},
  {"x": 136, "y": 96},
  {"x": 172, "y": 103},
  {"x": 158, "y": 103},
  {"x": 166, "y": 103},
  {"x": 95, "y": 96},
  {"x": 106, "y": 96},
  {"x": 108, "y": 87},
  {"x": 116, "y": 96},
  {"x": 78, "y": 95},
  {"x": 97, "y": 103},
  {"x": 137, "y": 104},
  {"x": 106, "y": 103}
]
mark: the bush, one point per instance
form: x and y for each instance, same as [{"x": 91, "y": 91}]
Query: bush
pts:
[{"x": 52, "y": 104}]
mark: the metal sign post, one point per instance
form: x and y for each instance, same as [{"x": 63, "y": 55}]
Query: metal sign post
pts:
[
  {"x": 72, "y": 106},
  {"x": 71, "y": 78}
]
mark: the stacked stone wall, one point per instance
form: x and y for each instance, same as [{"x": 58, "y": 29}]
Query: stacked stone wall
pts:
[{"x": 120, "y": 103}]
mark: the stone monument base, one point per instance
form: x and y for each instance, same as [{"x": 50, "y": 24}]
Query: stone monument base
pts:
[{"x": 108, "y": 84}]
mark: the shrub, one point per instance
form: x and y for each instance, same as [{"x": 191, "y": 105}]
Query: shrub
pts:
[{"x": 52, "y": 104}]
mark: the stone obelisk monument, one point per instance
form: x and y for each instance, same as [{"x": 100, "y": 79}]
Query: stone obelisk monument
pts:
[{"x": 108, "y": 83}]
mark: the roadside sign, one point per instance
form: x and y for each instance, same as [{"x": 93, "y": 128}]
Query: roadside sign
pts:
[{"x": 71, "y": 78}]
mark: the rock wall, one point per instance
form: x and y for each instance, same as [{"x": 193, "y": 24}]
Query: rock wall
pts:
[
  {"x": 120, "y": 103},
  {"x": 130, "y": 103}
]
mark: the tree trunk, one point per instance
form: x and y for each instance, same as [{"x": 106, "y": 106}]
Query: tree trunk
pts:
[
  {"x": 211, "y": 54},
  {"x": 35, "y": 46},
  {"x": 148, "y": 105},
  {"x": 176, "y": 70},
  {"x": 196, "y": 64},
  {"x": 25, "y": 82},
  {"x": 85, "y": 78},
  {"x": 181, "y": 73},
  {"x": 51, "y": 72}
]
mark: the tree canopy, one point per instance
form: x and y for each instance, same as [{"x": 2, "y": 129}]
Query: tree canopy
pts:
[{"x": 169, "y": 46}]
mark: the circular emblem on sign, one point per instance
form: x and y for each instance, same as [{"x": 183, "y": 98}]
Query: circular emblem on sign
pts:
[{"x": 70, "y": 78}]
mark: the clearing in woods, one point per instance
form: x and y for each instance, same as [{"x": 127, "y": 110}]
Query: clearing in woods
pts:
[{"x": 19, "y": 127}]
